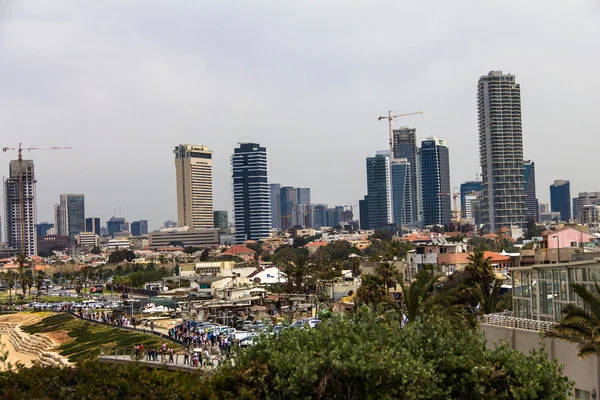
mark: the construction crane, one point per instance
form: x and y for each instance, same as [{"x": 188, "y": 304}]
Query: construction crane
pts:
[
  {"x": 21, "y": 188},
  {"x": 391, "y": 117},
  {"x": 455, "y": 212}
]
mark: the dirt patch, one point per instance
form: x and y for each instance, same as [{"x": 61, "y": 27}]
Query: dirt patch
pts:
[
  {"x": 23, "y": 318},
  {"x": 59, "y": 337}
]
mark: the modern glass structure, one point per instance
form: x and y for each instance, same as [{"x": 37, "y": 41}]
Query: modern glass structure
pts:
[
  {"x": 468, "y": 188},
  {"x": 501, "y": 150},
  {"x": 289, "y": 203},
  {"x": 560, "y": 199},
  {"x": 72, "y": 215},
  {"x": 251, "y": 192},
  {"x": 531, "y": 202},
  {"x": 20, "y": 207},
  {"x": 115, "y": 225},
  {"x": 404, "y": 145},
  {"x": 275, "y": 205},
  {"x": 139, "y": 228},
  {"x": 92, "y": 224},
  {"x": 221, "y": 221},
  {"x": 379, "y": 193},
  {"x": 401, "y": 191},
  {"x": 193, "y": 171},
  {"x": 42, "y": 228},
  {"x": 435, "y": 181}
]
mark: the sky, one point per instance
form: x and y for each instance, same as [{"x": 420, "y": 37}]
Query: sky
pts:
[{"x": 124, "y": 82}]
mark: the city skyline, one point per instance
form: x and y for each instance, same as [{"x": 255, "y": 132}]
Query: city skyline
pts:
[{"x": 90, "y": 78}]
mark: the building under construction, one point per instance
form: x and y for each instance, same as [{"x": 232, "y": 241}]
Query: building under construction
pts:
[{"x": 20, "y": 207}]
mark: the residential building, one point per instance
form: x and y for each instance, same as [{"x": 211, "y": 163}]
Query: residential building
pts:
[
  {"x": 401, "y": 191},
  {"x": 241, "y": 251},
  {"x": 560, "y": 199},
  {"x": 531, "y": 202},
  {"x": 20, "y": 207},
  {"x": 116, "y": 224},
  {"x": 139, "y": 228},
  {"x": 404, "y": 145},
  {"x": 221, "y": 221},
  {"x": 195, "y": 238},
  {"x": 88, "y": 239},
  {"x": 466, "y": 188},
  {"x": 275, "y": 189},
  {"x": 193, "y": 170},
  {"x": 92, "y": 224},
  {"x": 42, "y": 228},
  {"x": 49, "y": 243},
  {"x": 501, "y": 150},
  {"x": 585, "y": 198},
  {"x": 543, "y": 207},
  {"x": 379, "y": 182},
  {"x": 72, "y": 215},
  {"x": 549, "y": 216},
  {"x": 435, "y": 181},
  {"x": 57, "y": 217},
  {"x": 588, "y": 214},
  {"x": 251, "y": 192}
]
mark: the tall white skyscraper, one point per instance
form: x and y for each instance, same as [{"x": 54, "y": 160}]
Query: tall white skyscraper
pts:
[
  {"x": 193, "y": 170},
  {"x": 20, "y": 207},
  {"x": 501, "y": 151}
]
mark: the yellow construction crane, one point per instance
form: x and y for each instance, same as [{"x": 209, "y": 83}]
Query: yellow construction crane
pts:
[
  {"x": 21, "y": 189},
  {"x": 391, "y": 117}
]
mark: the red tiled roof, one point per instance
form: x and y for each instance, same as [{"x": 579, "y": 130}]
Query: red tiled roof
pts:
[
  {"x": 238, "y": 249},
  {"x": 316, "y": 244}
]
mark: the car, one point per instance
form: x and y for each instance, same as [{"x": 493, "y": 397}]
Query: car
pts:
[{"x": 313, "y": 323}]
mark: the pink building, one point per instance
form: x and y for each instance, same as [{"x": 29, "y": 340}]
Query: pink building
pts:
[{"x": 565, "y": 238}]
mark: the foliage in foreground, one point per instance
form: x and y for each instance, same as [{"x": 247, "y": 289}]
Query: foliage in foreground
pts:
[{"x": 362, "y": 358}]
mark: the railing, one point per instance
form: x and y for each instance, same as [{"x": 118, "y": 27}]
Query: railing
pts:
[
  {"x": 129, "y": 354},
  {"x": 503, "y": 319}
]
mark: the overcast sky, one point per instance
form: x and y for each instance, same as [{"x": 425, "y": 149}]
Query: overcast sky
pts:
[{"x": 123, "y": 82}]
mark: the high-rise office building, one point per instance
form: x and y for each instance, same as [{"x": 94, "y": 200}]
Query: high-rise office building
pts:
[
  {"x": 116, "y": 225},
  {"x": 472, "y": 203},
  {"x": 363, "y": 206},
  {"x": 320, "y": 215},
  {"x": 585, "y": 199},
  {"x": 501, "y": 150},
  {"x": 251, "y": 192},
  {"x": 221, "y": 221},
  {"x": 169, "y": 224},
  {"x": 531, "y": 202},
  {"x": 304, "y": 196},
  {"x": 193, "y": 170},
  {"x": 92, "y": 224},
  {"x": 20, "y": 207},
  {"x": 72, "y": 215},
  {"x": 435, "y": 181},
  {"x": 401, "y": 191},
  {"x": 289, "y": 205},
  {"x": 404, "y": 145},
  {"x": 275, "y": 189},
  {"x": 42, "y": 228},
  {"x": 139, "y": 228},
  {"x": 379, "y": 190},
  {"x": 560, "y": 199},
  {"x": 468, "y": 188}
]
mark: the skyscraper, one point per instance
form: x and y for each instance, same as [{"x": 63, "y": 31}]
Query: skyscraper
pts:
[
  {"x": 467, "y": 188},
  {"x": 193, "y": 170},
  {"x": 304, "y": 196},
  {"x": 251, "y": 192},
  {"x": 93, "y": 225},
  {"x": 20, "y": 222},
  {"x": 404, "y": 145},
  {"x": 379, "y": 193},
  {"x": 139, "y": 228},
  {"x": 531, "y": 202},
  {"x": 501, "y": 150},
  {"x": 72, "y": 215},
  {"x": 435, "y": 181},
  {"x": 560, "y": 199},
  {"x": 115, "y": 225},
  {"x": 42, "y": 228},
  {"x": 289, "y": 205},
  {"x": 584, "y": 199},
  {"x": 221, "y": 221},
  {"x": 401, "y": 191},
  {"x": 275, "y": 189}
]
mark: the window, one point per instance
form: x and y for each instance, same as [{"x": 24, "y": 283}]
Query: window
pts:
[{"x": 582, "y": 395}]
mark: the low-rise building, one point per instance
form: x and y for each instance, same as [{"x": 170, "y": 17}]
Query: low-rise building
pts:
[
  {"x": 51, "y": 243},
  {"x": 241, "y": 251},
  {"x": 195, "y": 238},
  {"x": 87, "y": 239}
]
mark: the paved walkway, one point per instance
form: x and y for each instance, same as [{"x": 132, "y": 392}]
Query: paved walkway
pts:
[{"x": 177, "y": 364}]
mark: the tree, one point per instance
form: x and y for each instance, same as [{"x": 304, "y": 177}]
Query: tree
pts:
[
  {"x": 488, "y": 299},
  {"x": 39, "y": 281},
  {"x": 382, "y": 234},
  {"x": 372, "y": 290},
  {"x": 298, "y": 271},
  {"x": 389, "y": 274},
  {"x": 121, "y": 255},
  {"x": 191, "y": 249},
  {"x": 581, "y": 324},
  {"x": 480, "y": 268}
]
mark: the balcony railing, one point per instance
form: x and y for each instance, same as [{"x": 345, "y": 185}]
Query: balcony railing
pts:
[{"x": 506, "y": 319}]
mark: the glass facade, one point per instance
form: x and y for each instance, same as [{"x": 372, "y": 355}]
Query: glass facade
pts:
[{"x": 435, "y": 182}]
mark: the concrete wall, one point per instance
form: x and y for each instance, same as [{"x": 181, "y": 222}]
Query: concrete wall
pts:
[{"x": 585, "y": 373}]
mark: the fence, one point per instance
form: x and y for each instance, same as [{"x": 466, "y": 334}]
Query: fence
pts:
[
  {"x": 507, "y": 320},
  {"x": 179, "y": 360}
]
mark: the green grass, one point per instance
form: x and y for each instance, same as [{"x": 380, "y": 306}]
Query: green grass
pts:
[{"x": 89, "y": 338}]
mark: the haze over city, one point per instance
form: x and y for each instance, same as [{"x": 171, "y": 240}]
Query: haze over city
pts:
[{"x": 124, "y": 83}]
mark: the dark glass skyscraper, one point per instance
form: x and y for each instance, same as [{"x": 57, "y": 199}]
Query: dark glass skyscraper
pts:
[
  {"x": 275, "y": 205},
  {"x": 560, "y": 199},
  {"x": 435, "y": 181},
  {"x": 139, "y": 228},
  {"x": 93, "y": 225},
  {"x": 379, "y": 194},
  {"x": 251, "y": 192},
  {"x": 401, "y": 191},
  {"x": 467, "y": 188},
  {"x": 404, "y": 145},
  {"x": 531, "y": 202}
]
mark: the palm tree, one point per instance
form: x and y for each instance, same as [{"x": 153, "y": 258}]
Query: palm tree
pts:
[
  {"x": 372, "y": 290},
  {"x": 390, "y": 275},
  {"x": 297, "y": 271},
  {"x": 487, "y": 298},
  {"x": 21, "y": 261},
  {"x": 39, "y": 281},
  {"x": 10, "y": 282},
  {"x": 581, "y": 325},
  {"x": 480, "y": 268}
]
